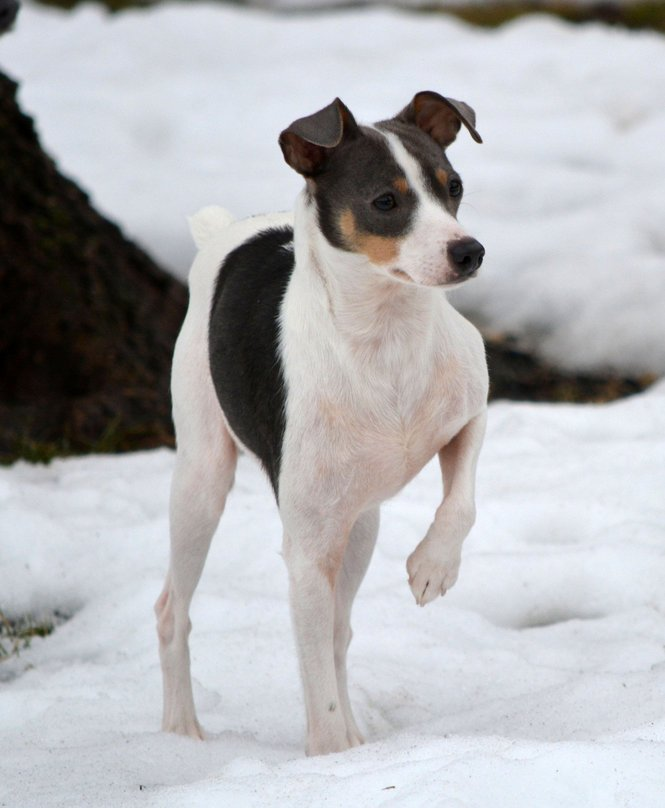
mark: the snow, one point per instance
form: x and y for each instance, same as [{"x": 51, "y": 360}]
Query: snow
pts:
[
  {"x": 539, "y": 680},
  {"x": 161, "y": 111}
]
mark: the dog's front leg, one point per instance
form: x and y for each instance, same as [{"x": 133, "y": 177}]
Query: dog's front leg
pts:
[
  {"x": 313, "y": 551},
  {"x": 434, "y": 564}
]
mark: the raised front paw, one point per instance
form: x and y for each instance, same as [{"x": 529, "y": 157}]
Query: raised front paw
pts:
[{"x": 432, "y": 569}]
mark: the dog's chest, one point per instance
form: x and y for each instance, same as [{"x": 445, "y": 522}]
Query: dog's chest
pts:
[
  {"x": 378, "y": 382},
  {"x": 417, "y": 416},
  {"x": 373, "y": 434}
]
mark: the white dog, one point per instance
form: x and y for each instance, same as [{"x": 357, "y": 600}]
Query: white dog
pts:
[{"x": 324, "y": 344}]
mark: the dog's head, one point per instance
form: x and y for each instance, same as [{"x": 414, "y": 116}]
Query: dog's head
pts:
[{"x": 388, "y": 192}]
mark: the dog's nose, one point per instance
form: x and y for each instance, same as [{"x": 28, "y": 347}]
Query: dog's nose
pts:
[
  {"x": 466, "y": 255},
  {"x": 8, "y": 12}
]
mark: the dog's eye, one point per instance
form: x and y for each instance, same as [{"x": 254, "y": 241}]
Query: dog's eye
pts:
[
  {"x": 455, "y": 188},
  {"x": 385, "y": 202}
]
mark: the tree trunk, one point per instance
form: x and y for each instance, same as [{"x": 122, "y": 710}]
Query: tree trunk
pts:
[{"x": 87, "y": 320}]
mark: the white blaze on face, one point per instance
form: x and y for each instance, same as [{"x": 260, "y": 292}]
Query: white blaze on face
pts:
[{"x": 423, "y": 254}]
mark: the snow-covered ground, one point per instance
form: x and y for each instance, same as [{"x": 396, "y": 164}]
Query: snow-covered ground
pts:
[
  {"x": 161, "y": 111},
  {"x": 539, "y": 680}
]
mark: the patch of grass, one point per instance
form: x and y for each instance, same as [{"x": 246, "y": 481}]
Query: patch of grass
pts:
[
  {"x": 34, "y": 451},
  {"x": 112, "y": 5},
  {"x": 115, "y": 437},
  {"x": 16, "y": 634},
  {"x": 648, "y": 14}
]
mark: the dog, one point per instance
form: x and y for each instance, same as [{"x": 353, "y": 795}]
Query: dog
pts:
[{"x": 323, "y": 343}]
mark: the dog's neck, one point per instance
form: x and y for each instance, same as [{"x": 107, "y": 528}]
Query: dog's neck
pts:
[{"x": 369, "y": 310}]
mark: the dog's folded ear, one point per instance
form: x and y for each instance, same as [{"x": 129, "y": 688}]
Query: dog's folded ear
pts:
[
  {"x": 308, "y": 142},
  {"x": 439, "y": 117}
]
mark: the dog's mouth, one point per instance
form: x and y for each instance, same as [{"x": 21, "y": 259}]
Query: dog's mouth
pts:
[
  {"x": 455, "y": 281},
  {"x": 451, "y": 280}
]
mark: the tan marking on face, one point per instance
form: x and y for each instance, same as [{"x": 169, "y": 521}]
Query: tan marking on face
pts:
[
  {"x": 347, "y": 225},
  {"x": 401, "y": 185},
  {"x": 379, "y": 249},
  {"x": 442, "y": 176}
]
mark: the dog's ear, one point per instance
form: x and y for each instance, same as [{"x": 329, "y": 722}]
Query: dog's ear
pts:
[
  {"x": 308, "y": 142},
  {"x": 439, "y": 117}
]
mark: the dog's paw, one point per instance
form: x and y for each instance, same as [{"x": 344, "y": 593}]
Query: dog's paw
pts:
[
  {"x": 327, "y": 746},
  {"x": 432, "y": 569},
  {"x": 189, "y": 727},
  {"x": 354, "y": 739}
]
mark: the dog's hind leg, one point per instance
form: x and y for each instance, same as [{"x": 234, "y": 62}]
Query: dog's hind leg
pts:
[
  {"x": 356, "y": 560},
  {"x": 204, "y": 472}
]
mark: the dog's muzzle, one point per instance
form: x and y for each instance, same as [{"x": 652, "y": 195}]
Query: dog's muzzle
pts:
[{"x": 465, "y": 256}]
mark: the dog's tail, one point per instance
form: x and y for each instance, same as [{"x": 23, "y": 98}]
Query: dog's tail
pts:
[{"x": 208, "y": 223}]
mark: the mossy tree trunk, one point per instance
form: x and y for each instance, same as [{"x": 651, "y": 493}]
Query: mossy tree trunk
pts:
[{"x": 87, "y": 320}]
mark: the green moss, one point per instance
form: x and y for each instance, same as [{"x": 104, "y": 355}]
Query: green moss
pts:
[
  {"x": 35, "y": 452},
  {"x": 116, "y": 437},
  {"x": 112, "y": 5},
  {"x": 650, "y": 14},
  {"x": 17, "y": 634},
  {"x": 645, "y": 15}
]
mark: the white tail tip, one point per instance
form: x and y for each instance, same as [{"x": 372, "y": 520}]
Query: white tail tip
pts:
[{"x": 208, "y": 223}]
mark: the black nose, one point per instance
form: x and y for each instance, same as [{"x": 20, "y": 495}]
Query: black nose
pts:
[
  {"x": 8, "y": 12},
  {"x": 466, "y": 255}
]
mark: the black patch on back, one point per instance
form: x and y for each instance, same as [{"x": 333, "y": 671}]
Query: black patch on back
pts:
[
  {"x": 245, "y": 360},
  {"x": 358, "y": 171}
]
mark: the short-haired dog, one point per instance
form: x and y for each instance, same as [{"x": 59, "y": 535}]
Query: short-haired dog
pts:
[{"x": 322, "y": 342}]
